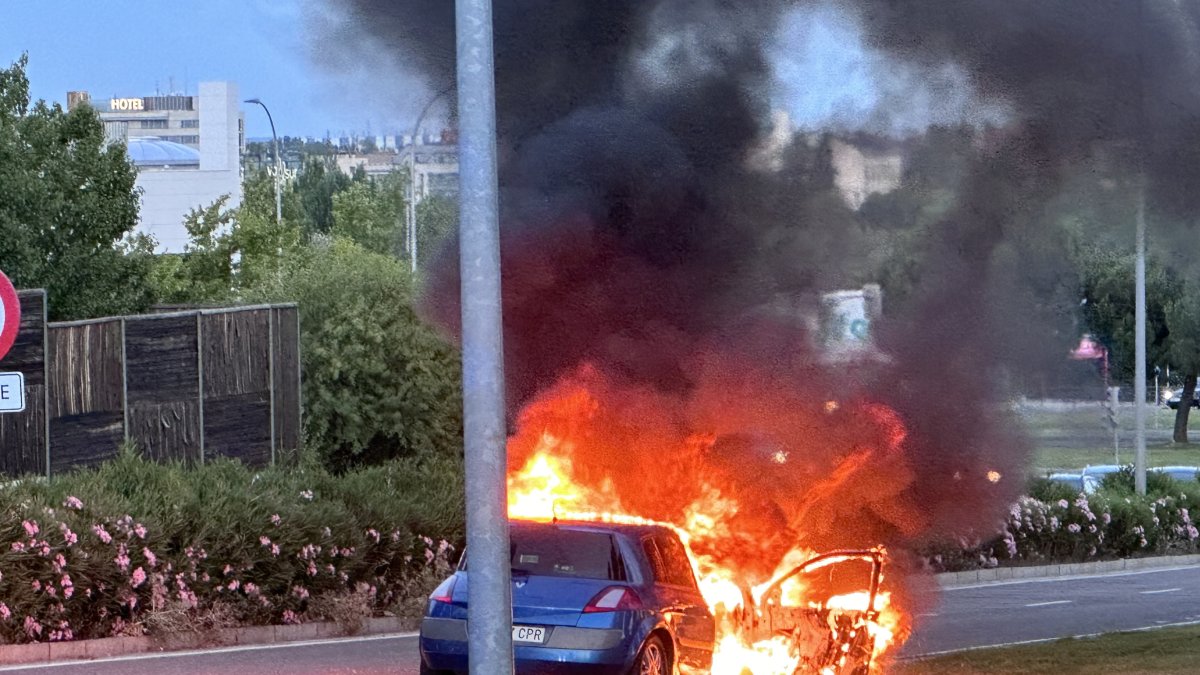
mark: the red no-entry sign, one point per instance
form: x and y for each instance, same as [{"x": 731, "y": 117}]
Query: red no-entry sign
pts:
[{"x": 10, "y": 315}]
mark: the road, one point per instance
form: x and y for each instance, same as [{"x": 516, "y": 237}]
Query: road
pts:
[
  {"x": 1040, "y": 609},
  {"x": 969, "y": 616}
]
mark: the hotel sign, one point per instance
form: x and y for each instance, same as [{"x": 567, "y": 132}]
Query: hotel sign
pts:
[{"x": 126, "y": 104}]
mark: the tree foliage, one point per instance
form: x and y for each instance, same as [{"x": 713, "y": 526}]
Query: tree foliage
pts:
[
  {"x": 378, "y": 383},
  {"x": 67, "y": 203}
]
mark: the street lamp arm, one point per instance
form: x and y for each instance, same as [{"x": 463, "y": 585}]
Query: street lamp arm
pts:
[{"x": 278, "y": 161}]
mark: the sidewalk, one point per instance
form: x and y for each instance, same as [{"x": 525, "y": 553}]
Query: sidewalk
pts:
[{"x": 999, "y": 574}]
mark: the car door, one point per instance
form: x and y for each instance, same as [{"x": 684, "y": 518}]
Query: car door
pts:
[{"x": 684, "y": 607}]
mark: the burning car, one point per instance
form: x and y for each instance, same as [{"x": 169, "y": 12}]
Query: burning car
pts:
[
  {"x": 814, "y": 624},
  {"x": 587, "y": 597}
]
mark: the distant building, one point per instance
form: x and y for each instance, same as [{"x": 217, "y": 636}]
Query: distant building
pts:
[
  {"x": 187, "y": 150},
  {"x": 433, "y": 161},
  {"x": 861, "y": 170}
]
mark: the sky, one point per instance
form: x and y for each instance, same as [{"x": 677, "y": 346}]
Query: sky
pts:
[
  {"x": 131, "y": 48},
  {"x": 274, "y": 51}
]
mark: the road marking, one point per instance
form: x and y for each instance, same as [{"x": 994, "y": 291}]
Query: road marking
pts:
[
  {"x": 1047, "y": 604},
  {"x": 1077, "y": 577},
  {"x": 1165, "y": 590},
  {"x": 1018, "y": 643},
  {"x": 205, "y": 652}
]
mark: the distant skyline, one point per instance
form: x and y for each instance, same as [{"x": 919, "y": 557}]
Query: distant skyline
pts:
[
  {"x": 285, "y": 53},
  {"x": 136, "y": 48}
]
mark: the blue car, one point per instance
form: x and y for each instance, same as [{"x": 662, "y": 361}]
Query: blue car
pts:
[{"x": 587, "y": 598}]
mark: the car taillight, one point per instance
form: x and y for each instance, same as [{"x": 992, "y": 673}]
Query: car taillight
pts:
[
  {"x": 444, "y": 592},
  {"x": 614, "y": 599}
]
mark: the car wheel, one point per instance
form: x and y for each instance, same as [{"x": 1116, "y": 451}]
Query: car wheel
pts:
[
  {"x": 653, "y": 658},
  {"x": 426, "y": 670}
]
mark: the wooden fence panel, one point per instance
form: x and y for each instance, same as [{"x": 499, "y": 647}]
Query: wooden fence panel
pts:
[
  {"x": 287, "y": 379},
  {"x": 235, "y": 362},
  {"x": 86, "y": 413},
  {"x": 23, "y": 434},
  {"x": 163, "y": 386}
]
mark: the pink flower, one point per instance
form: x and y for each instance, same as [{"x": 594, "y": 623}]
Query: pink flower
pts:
[
  {"x": 67, "y": 585},
  {"x": 102, "y": 533},
  {"x": 18, "y": 546},
  {"x": 300, "y": 592},
  {"x": 70, "y": 537},
  {"x": 289, "y": 617},
  {"x": 264, "y": 540},
  {"x": 138, "y": 578},
  {"x": 32, "y": 627},
  {"x": 140, "y": 531},
  {"x": 275, "y": 550},
  {"x": 251, "y": 589},
  {"x": 227, "y": 570},
  {"x": 59, "y": 562},
  {"x": 312, "y": 569},
  {"x": 5, "y": 612},
  {"x": 233, "y": 585},
  {"x": 37, "y": 585},
  {"x": 31, "y": 527},
  {"x": 307, "y": 495},
  {"x": 73, "y": 503},
  {"x": 276, "y": 520},
  {"x": 151, "y": 559},
  {"x": 374, "y": 534}
]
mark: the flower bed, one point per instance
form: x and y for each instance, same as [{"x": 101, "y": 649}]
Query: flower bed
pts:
[
  {"x": 140, "y": 548},
  {"x": 1114, "y": 523}
]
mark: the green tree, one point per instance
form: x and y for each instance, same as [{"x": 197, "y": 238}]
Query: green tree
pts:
[
  {"x": 378, "y": 383},
  {"x": 437, "y": 219},
  {"x": 317, "y": 183},
  {"x": 371, "y": 213},
  {"x": 1183, "y": 324},
  {"x": 67, "y": 204}
]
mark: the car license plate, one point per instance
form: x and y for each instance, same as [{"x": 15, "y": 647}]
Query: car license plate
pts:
[{"x": 529, "y": 634}]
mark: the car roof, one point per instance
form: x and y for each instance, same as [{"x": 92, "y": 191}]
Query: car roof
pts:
[{"x": 630, "y": 529}]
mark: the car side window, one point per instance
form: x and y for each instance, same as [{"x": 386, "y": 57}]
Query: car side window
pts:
[
  {"x": 675, "y": 560},
  {"x": 657, "y": 567}
]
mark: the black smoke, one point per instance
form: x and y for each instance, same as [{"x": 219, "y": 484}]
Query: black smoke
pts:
[{"x": 638, "y": 238}]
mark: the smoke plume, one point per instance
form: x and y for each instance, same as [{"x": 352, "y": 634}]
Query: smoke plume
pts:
[{"x": 648, "y": 261}]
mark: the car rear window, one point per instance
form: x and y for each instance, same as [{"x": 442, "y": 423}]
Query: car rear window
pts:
[{"x": 558, "y": 552}]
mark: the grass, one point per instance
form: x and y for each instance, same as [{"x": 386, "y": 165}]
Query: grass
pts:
[
  {"x": 1069, "y": 437},
  {"x": 1169, "y": 650},
  {"x": 1163, "y": 454}
]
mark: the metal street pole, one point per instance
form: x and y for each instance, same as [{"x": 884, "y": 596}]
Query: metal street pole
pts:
[
  {"x": 1139, "y": 348},
  {"x": 410, "y": 236},
  {"x": 278, "y": 163},
  {"x": 489, "y": 617},
  {"x": 1139, "y": 384}
]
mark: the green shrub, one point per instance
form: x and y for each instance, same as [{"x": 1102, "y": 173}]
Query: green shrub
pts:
[
  {"x": 378, "y": 382},
  {"x": 1048, "y": 490},
  {"x": 135, "y": 545}
]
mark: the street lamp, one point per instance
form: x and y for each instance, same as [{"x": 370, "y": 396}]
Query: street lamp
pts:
[
  {"x": 278, "y": 165},
  {"x": 411, "y": 211}
]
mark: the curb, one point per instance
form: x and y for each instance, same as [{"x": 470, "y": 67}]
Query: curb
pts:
[
  {"x": 1004, "y": 574},
  {"x": 100, "y": 648}
]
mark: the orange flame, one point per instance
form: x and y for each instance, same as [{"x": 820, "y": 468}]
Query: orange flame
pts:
[{"x": 544, "y": 490}]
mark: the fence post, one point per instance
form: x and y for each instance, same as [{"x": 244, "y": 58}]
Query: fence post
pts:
[
  {"x": 46, "y": 371},
  {"x": 271, "y": 373},
  {"x": 200, "y": 376},
  {"x": 124, "y": 384}
]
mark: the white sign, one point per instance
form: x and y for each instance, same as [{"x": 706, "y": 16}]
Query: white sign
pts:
[{"x": 12, "y": 392}]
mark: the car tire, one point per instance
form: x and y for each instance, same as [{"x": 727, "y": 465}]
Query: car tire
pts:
[
  {"x": 426, "y": 670},
  {"x": 653, "y": 658}
]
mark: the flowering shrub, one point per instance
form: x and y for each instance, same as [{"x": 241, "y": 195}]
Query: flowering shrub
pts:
[
  {"x": 1110, "y": 524},
  {"x": 117, "y": 550}
]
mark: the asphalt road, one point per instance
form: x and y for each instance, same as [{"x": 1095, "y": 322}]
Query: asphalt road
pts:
[
  {"x": 1041, "y": 609},
  {"x": 969, "y": 616}
]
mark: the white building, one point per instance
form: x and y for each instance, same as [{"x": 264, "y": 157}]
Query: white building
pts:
[{"x": 187, "y": 150}]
